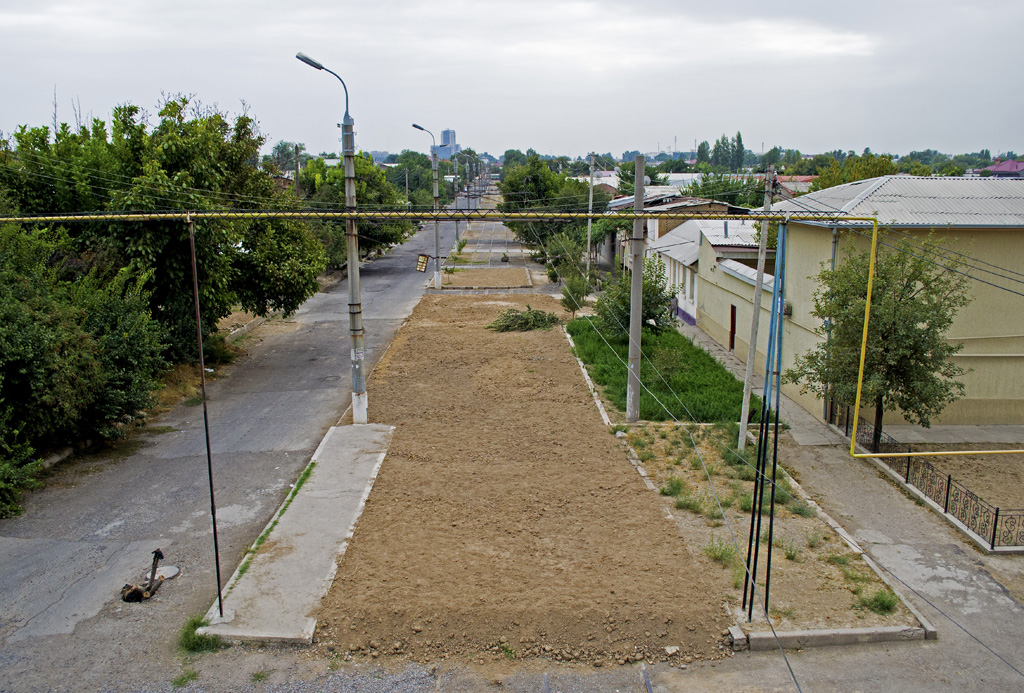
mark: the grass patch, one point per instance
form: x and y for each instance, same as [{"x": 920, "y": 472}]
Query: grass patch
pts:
[
  {"x": 674, "y": 487},
  {"x": 507, "y": 650},
  {"x": 883, "y": 602},
  {"x": 709, "y": 392},
  {"x": 720, "y": 552},
  {"x": 191, "y": 641},
  {"x": 812, "y": 539},
  {"x": 259, "y": 676},
  {"x": 692, "y": 503},
  {"x": 184, "y": 678}
]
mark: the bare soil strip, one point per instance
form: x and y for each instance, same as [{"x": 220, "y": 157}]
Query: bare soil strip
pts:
[
  {"x": 489, "y": 278},
  {"x": 506, "y": 523}
]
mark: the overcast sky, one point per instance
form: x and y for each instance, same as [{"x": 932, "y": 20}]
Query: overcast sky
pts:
[{"x": 561, "y": 77}]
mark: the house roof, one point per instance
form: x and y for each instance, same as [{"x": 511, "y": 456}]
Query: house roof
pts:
[
  {"x": 915, "y": 201},
  {"x": 683, "y": 242},
  {"x": 1008, "y": 166}
]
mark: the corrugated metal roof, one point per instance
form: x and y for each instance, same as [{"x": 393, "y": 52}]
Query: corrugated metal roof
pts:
[
  {"x": 683, "y": 242},
  {"x": 919, "y": 201}
]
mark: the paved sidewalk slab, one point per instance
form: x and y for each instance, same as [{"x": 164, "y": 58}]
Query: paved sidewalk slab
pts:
[{"x": 274, "y": 599}]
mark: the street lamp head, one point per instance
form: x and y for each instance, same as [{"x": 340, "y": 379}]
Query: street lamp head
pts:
[
  {"x": 419, "y": 127},
  {"x": 309, "y": 61}
]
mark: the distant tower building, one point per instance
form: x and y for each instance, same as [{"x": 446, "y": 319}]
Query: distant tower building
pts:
[{"x": 448, "y": 148}]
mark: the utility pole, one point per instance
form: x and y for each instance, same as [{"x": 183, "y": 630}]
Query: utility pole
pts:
[
  {"x": 437, "y": 224},
  {"x": 455, "y": 160},
  {"x": 407, "y": 200},
  {"x": 296, "y": 171},
  {"x": 355, "y": 304},
  {"x": 636, "y": 298},
  {"x": 590, "y": 214},
  {"x": 762, "y": 251}
]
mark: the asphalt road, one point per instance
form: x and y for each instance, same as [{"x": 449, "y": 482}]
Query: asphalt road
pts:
[{"x": 93, "y": 528}]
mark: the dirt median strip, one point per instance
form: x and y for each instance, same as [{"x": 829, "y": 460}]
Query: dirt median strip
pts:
[{"x": 506, "y": 521}]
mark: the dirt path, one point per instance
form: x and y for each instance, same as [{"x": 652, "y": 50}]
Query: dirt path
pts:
[{"x": 506, "y": 522}]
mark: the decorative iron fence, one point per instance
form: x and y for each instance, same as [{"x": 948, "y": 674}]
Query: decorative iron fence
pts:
[
  {"x": 994, "y": 525},
  {"x": 841, "y": 416}
]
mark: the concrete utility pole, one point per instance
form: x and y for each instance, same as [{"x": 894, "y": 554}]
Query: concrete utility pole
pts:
[
  {"x": 437, "y": 224},
  {"x": 455, "y": 160},
  {"x": 762, "y": 251},
  {"x": 355, "y": 304},
  {"x": 590, "y": 212},
  {"x": 636, "y": 299}
]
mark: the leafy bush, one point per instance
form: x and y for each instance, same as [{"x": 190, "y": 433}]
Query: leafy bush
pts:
[
  {"x": 513, "y": 320},
  {"x": 613, "y": 305}
]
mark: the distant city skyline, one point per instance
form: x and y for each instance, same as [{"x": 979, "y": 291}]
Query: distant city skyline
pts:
[{"x": 563, "y": 78}]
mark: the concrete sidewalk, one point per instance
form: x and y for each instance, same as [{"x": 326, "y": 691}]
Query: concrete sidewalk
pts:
[{"x": 275, "y": 592}]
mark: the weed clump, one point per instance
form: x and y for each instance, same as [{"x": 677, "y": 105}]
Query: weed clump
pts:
[
  {"x": 720, "y": 552},
  {"x": 883, "y": 602},
  {"x": 191, "y": 641},
  {"x": 513, "y": 320},
  {"x": 673, "y": 487}
]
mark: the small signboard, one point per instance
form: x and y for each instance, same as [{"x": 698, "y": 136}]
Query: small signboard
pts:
[{"x": 421, "y": 263}]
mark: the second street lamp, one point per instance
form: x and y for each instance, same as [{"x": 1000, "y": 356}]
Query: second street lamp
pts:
[
  {"x": 437, "y": 206},
  {"x": 355, "y": 306}
]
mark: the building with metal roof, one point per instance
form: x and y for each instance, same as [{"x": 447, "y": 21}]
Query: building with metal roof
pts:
[
  {"x": 920, "y": 202},
  {"x": 982, "y": 219}
]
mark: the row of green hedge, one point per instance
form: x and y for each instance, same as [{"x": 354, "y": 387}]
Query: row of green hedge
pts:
[{"x": 681, "y": 380}]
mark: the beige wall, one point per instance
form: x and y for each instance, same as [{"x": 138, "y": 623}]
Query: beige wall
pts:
[{"x": 991, "y": 327}]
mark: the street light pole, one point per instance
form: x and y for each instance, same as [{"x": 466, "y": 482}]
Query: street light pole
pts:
[
  {"x": 355, "y": 305},
  {"x": 437, "y": 206}
]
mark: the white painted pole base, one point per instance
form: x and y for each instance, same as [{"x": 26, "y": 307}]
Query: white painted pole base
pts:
[
  {"x": 437, "y": 280},
  {"x": 359, "y": 407}
]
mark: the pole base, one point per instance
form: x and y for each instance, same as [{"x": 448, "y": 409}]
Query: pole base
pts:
[
  {"x": 359, "y": 408},
  {"x": 437, "y": 280}
]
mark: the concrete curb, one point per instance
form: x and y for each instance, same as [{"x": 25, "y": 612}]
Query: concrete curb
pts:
[{"x": 800, "y": 639}]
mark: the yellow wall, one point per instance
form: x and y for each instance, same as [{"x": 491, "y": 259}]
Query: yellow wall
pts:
[{"x": 991, "y": 327}]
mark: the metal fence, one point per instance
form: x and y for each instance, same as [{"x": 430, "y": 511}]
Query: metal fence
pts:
[{"x": 994, "y": 525}]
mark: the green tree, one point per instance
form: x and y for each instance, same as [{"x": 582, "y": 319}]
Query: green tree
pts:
[
  {"x": 192, "y": 159},
  {"x": 743, "y": 191},
  {"x": 627, "y": 177},
  {"x": 916, "y": 295},
  {"x": 613, "y": 306},
  {"x": 284, "y": 157},
  {"x": 574, "y": 293},
  {"x": 738, "y": 152},
  {"x": 703, "y": 153},
  {"x": 510, "y": 160},
  {"x": 721, "y": 153},
  {"x": 326, "y": 187},
  {"x": 535, "y": 187},
  {"x": 855, "y": 168}
]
